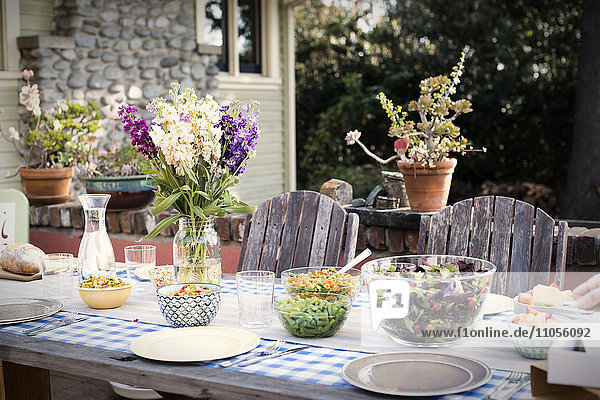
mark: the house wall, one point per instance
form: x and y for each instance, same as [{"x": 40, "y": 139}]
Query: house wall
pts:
[
  {"x": 268, "y": 173},
  {"x": 109, "y": 35},
  {"x": 8, "y": 101},
  {"x": 16, "y": 19},
  {"x": 264, "y": 176},
  {"x": 36, "y": 17}
]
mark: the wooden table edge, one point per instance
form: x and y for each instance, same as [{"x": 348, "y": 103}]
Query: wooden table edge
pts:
[{"x": 187, "y": 379}]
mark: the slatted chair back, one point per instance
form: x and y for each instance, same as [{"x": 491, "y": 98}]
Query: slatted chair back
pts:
[
  {"x": 298, "y": 229},
  {"x": 513, "y": 235}
]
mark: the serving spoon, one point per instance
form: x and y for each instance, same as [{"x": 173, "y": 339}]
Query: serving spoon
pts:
[{"x": 365, "y": 253}]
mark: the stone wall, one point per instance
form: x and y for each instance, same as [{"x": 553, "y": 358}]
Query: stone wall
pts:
[{"x": 118, "y": 51}]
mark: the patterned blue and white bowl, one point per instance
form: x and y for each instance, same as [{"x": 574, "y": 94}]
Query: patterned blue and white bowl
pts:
[{"x": 184, "y": 311}]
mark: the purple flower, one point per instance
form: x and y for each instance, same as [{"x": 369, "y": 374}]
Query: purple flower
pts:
[
  {"x": 240, "y": 134},
  {"x": 138, "y": 131},
  {"x": 184, "y": 118}
]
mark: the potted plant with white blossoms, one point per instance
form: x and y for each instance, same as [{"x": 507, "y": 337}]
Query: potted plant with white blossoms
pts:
[
  {"x": 197, "y": 149},
  {"x": 49, "y": 144},
  {"x": 423, "y": 147}
]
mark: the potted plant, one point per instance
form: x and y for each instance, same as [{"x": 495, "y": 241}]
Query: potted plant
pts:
[
  {"x": 49, "y": 144},
  {"x": 423, "y": 147},
  {"x": 119, "y": 172}
]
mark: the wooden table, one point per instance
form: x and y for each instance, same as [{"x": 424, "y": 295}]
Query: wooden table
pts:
[{"x": 27, "y": 361}]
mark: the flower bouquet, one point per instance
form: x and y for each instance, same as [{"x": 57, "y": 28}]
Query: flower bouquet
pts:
[{"x": 197, "y": 149}]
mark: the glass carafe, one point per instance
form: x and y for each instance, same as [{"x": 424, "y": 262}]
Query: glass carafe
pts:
[{"x": 96, "y": 255}]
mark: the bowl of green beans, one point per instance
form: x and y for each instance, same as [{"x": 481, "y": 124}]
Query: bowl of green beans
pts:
[{"x": 312, "y": 315}]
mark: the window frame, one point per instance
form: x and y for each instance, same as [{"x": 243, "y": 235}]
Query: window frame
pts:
[{"x": 231, "y": 33}]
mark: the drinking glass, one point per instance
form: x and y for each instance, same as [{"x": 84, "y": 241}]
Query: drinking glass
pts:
[
  {"x": 57, "y": 276},
  {"x": 139, "y": 261},
  {"x": 255, "y": 298}
]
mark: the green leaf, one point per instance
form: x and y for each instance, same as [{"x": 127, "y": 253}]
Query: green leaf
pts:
[
  {"x": 240, "y": 209},
  {"x": 166, "y": 203},
  {"x": 190, "y": 174},
  {"x": 203, "y": 194},
  {"x": 198, "y": 211},
  {"x": 162, "y": 225},
  {"x": 227, "y": 197},
  {"x": 211, "y": 209}
]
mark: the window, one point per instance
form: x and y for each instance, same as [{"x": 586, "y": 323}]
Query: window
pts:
[
  {"x": 215, "y": 30},
  {"x": 248, "y": 40},
  {"x": 234, "y": 27}
]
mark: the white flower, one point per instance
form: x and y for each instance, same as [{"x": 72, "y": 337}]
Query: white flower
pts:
[
  {"x": 61, "y": 105},
  {"x": 352, "y": 137},
  {"x": 30, "y": 98},
  {"x": 13, "y": 134},
  {"x": 56, "y": 125}
]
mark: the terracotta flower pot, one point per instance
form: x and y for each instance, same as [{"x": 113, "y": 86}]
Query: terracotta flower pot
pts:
[
  {"x": 427, "y": 188},
  {"x": 47, "y": 185}
]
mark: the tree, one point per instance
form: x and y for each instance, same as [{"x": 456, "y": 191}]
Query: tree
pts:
[{"x": 582, "y": 197}]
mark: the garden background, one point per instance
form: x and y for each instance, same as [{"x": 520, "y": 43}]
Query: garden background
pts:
[{"x": 521, "y": 76}]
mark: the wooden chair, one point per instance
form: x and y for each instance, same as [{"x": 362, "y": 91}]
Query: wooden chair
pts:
[
  {"x": 298, "y": 229},
  {"x": 513, "y": 235}
]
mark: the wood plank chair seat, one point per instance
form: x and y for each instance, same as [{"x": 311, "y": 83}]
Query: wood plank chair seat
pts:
[
  {"x": 298, "y": 229},
  {"x": 513, "y": 235}
]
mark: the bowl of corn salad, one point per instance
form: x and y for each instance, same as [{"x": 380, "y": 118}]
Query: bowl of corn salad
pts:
[
  {"x": 102, "y": 292},
  {"x": 189, "y": 304},
  {"x": 306, "y": 280}
]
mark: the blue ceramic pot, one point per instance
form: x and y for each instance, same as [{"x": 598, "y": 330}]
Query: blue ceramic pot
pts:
[{"x": 125, "y": 191}]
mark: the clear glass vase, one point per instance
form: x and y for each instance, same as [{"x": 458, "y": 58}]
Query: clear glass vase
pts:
[
  {"x": 197, "y": 252},
  {"x": 96, "y": 255}
]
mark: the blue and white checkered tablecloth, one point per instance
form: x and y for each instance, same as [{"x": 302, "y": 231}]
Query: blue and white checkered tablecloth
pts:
[{"x": 316, "y": 364}]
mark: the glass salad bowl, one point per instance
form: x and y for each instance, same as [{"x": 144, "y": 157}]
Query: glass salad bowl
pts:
[
  {"x": 306, "y": 280},
  {"x": 446, "y": 296}
]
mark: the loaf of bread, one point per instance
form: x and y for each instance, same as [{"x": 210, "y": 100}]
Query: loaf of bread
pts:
[{"x": 21, "y": 258}]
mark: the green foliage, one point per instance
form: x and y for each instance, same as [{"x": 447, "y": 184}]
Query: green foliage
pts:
[
  {"x": 197, "y": 194},
  {"x": 61, "y": 137},
  {"x": 520, "y": 78},
  {"x": 125, "y": 161}
]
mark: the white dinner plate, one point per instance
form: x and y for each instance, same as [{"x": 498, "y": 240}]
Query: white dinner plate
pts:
[
  {"x": 496, "y": 303},
  {"x": 15, "y": 311},
  {"x": 416, "y": 374},
  {"x": 133, "y": 392},
  {"x": 203, "y": 343}
]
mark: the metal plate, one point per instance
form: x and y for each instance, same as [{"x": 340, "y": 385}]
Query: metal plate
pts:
[
  {"x": 416, "y": 374},
  {"x": 15, "y": 311}
]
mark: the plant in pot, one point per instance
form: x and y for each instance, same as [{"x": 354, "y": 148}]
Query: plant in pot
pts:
[
  {"x": 49, "y": 144},
  {"x": 423, "y": 148},
  {"x": 197, "y": 149},
  {"x": 119, "y": 172}
]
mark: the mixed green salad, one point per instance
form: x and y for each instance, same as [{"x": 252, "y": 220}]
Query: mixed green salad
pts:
[{"x": 437, "y": 301}]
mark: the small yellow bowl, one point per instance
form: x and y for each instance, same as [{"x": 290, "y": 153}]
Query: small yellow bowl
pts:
[{"x": 105, "y": 298}]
